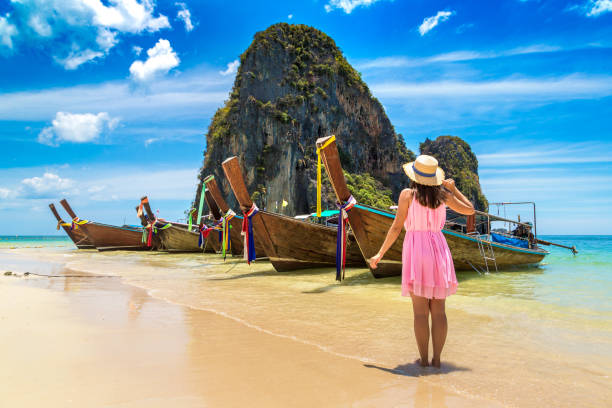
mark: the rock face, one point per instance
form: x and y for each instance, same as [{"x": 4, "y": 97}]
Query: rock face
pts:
[
  {"x": 458, "y": 162},
  {"x": 292, "y": 87}
]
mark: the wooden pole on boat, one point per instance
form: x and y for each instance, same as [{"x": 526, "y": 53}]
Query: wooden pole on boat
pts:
[
  {"x": 572, "y": 248},
  {"x": 331, "y": 159},
  {"x": 212, "y": 205},
  {"x": 213, "y": 188},
  {"x": 233, "y": 172},
  {"x": 54, "y": 211},
  {"x": 68, "y": 209}
]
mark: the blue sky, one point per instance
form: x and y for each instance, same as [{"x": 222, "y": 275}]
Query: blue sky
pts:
[{"x": 103, "y": 101}]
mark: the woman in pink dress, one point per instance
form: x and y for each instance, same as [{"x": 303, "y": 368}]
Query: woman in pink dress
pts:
[{"x": 428, "y": 273}]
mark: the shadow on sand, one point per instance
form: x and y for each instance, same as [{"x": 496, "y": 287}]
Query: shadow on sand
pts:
[{"x": 415, "y": 370}]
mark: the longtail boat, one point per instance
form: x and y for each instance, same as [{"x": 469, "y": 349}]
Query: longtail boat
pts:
[
  {"x": 76, "y": 235},
  {"x": 177, "y": 237},
  {"x": 150, "y": 232},
  {"x": 289, "y": 243},
  {"x": 236, "y": 236},
  {"x": 470, "y": 249},
  {"x": 108, "y": 237}
]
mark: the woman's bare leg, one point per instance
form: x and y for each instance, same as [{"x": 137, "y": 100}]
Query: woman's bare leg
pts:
[
  {"x": 439, "y": 328},
  {"x": 420, "y": 307}
]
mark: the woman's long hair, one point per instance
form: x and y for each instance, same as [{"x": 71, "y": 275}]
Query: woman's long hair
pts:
[{"x": 429, "y": 196}]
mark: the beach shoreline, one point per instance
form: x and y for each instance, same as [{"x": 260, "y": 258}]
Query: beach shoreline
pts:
[{"x": 193, "y": 330}]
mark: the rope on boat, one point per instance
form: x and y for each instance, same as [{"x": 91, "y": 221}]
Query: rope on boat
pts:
[
  {"x": 247, "y": 232},
  {"x": 331, "y": 139},
  {"x": 342, "y": 236}
]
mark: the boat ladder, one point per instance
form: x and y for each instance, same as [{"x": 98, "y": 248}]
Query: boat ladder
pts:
[{"x": 486, "y": 251}]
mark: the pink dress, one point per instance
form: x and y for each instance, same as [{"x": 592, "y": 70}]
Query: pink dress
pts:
[{"x": 427, "y": 264}]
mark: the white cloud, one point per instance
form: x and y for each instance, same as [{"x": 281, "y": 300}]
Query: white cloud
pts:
[
  {"x": 455, "y": 56},
  {"x": 49, "y": 185},
  {"x": 76, "y": 59},
  {"x": 347, "y": 5},
  {"x": 193, "y": 94},
  {"x": 79, "y": 31},
  {"x": 76, "y": 128},
  {"x": 290, "y": 16},
  {"x": 5, "y": 193},
  {"x": 161, "y": 59},
  {"x": 185, "y": 16},
  {"x": 137, "y": 50},
  {"x": 7, "y": 31},
  {"x": 598, "y": 7},
  {"x": 430, "y": 23},
  {"x": 232, "y": 67},
  {"x": 150, "y": 140},
  {"x": 563, "y": 88},
  {"x": 548, "y": 154}
]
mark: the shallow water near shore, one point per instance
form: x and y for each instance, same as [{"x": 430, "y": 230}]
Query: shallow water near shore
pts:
[{"x": 528, "y": 337}]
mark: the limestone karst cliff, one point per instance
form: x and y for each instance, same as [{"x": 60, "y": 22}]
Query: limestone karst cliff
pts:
[{"x": 294, "y": 85}]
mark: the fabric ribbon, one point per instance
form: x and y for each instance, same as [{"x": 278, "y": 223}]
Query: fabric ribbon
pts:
[
  {"x": 61, "y": 223},
  {"x": 331, "y": 139},
  {"x": 342, "y": 236},
  {"x": 225, "y": 239},
  {"x": 76, "y": 222},
  {"x": 205, "y": 232},
  {"x": 151, "y": 229},
  {"x": 247, "y": 232}
]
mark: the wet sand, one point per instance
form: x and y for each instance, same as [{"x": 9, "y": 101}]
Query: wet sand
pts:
[{"x": 98, "y": 342}]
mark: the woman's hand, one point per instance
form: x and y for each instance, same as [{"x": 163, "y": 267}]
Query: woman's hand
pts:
[
  {"x": 374, "y": 260},
  {"x": 449, "y": 184}
]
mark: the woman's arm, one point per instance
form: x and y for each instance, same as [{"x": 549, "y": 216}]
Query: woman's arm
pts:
[
  {"x": 398, "y": 223},
  {"x": 456, "y": 200}
]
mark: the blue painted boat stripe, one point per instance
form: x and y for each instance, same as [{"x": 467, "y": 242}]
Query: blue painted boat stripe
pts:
[{"x": 463, "y": 236}]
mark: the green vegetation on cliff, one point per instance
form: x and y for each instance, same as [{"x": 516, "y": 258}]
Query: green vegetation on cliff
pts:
[{"x": 458, "y": 161}]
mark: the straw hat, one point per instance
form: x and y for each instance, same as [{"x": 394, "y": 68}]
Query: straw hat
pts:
[{"x": 425, "y": 170}]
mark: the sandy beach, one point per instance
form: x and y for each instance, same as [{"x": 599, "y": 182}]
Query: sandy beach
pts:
[
  {"x": 194, "y": 331},
  {"x": 98, "y": 342}
]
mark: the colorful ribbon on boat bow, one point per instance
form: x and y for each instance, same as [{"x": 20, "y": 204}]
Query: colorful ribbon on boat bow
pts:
[
  {"x": 247, "y": 232},
  {"x": 342, "y": 236},
  {"x": 61, "y": 223},
  {"x": 225, "y": 239},
  {"x": 150, "y": 229},
  {"x": 331, "y": 139},
  {"x": 76, "y": 222},
  {"x": 206, "y": 230}
]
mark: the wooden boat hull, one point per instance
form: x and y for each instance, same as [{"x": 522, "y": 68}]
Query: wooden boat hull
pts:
[
  {"x": 290, "y": 244},
  {"x": 464, "y": 248},
  {"x": 79, "y": 238},
  {"x": 176, "y": 239},
  {"x": 302, "y": 245},
  {"x": 113, "y": 238}
]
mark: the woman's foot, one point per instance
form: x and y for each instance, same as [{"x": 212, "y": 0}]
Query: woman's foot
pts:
[
  {"x": 422, "y": 363},
  {"x": 435, "y": 362}
]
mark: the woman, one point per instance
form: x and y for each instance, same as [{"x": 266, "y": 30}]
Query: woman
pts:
[{"x": 428, "y": 273}]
